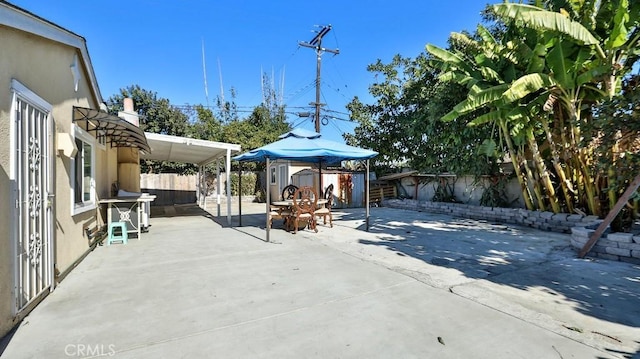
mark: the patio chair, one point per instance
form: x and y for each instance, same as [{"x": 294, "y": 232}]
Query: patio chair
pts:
[
  {"x": 279, "y": 213},
  {"x": 325, "y": 211},
  {"x": 305, "y": 202},
  {"x": 288, "y": 192}
]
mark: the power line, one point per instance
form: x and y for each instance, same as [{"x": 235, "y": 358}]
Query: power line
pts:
[{"x": 300, "y": 92}]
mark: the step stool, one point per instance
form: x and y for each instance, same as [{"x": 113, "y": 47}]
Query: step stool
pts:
[{"x": 113, "y": 236}]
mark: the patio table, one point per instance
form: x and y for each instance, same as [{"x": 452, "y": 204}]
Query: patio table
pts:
[{"x": 288, "y": 205}]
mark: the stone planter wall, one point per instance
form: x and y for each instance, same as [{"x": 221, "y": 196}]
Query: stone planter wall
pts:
[
  {"x": 547, "y": 221},
  {"x": 613, "y": 246}
]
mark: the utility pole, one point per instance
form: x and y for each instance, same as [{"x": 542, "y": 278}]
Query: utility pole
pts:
[{"x": 316, "y": 43}]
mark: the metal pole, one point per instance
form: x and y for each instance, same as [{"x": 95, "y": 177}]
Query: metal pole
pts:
[
  {"x": 267, "y": 181},
  {"x": 367, "y": 196},
  {"x": 228, "y": 171},
  {"x": 240, "y": 194},
  {"x": 318, "y": 60}
]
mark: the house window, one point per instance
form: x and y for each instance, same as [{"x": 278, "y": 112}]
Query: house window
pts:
[
  {"x": 83, "y": 179},
  {"x": 273, "y": 175}
]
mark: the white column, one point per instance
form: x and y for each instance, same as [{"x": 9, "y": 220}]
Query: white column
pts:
[
  {"x": 218, "y": 185},
  {"x": 206, "y": 188},
  {"x": 199, "y": 186}
]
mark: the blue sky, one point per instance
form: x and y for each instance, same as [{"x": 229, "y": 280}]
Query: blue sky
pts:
[{"x": 158, "y": 45}]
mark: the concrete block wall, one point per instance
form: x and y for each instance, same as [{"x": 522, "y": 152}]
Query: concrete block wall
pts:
[
  {"x": 623, "y": 247},
  {"x": 612, "y": 246},
  {"x": 466, "y": 189},
  {"x": 547, "y": 221}
]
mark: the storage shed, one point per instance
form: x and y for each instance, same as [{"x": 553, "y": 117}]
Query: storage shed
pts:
[{"x": 348, "y": 186}]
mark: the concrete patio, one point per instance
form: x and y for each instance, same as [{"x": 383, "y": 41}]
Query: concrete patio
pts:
[{"x": 416, "y": 285}]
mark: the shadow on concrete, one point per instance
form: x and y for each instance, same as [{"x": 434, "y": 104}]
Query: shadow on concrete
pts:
[
  {"x": 623, "y": 354},
  {"x": 518, "y": 257},
  {"x": 178, "y": 210},
  {"x": 4, "y": 341}
]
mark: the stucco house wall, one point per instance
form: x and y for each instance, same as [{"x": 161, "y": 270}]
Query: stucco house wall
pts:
[{"x": 41, "y": 61}]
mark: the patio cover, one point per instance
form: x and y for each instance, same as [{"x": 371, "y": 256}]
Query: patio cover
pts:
[
  {"x": 186, "y": 150},
  {"x": 199, "y": 152},
  {"x": 307, "y": 146}
]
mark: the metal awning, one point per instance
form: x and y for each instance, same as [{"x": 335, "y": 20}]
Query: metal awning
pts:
[
  {"x": 186, "y": 150},
  {"x": 119, "y": 133}
]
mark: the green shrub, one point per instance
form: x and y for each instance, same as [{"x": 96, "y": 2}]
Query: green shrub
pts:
[{"x": 248, "y": 184}]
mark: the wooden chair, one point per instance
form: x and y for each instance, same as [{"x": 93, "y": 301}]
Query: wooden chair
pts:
[
  {"x": 325, "y": 211},
  {"x": 288, "y": 192},
  {"x": 305, "y": 202},
  {"x": 279, "y": 213}
]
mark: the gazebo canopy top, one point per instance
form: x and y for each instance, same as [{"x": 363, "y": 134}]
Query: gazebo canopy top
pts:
[{"x": 306, "y": 146}]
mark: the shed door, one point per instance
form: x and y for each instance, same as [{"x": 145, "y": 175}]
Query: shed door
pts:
[
  {"x": 32, "y": 169},
  {"x": 283, "y": 178}
]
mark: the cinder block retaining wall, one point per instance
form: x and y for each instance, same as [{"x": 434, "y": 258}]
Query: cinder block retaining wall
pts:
[
  {"x": 612, "y": 246},
  {"x": 547, "y": 221}
]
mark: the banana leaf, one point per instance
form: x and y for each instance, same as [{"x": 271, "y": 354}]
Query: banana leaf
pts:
[
  {"x": 526, "y": 85},
  {"x": 546, "y": 20}
]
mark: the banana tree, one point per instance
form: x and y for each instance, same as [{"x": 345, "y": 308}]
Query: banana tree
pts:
[
  {"x": 569, "y": 68},
  {"x": 490, "y": 75},
  {"x": 596, "y": 47}
]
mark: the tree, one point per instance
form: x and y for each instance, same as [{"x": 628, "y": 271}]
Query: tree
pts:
[
  {"x": 403, "y": 124},
  {"x": 205, "y": 125},
  {"x": 258, "y": 129},
  {"x": 156, "y": 113},
  {"x": 615, "y": 130},
  {"x": 156, "y": 116},
  {"x": 570, "y": 68}
]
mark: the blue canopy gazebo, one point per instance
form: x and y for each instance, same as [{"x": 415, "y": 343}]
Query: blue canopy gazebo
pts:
[{"x": 307, "y": 146}]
